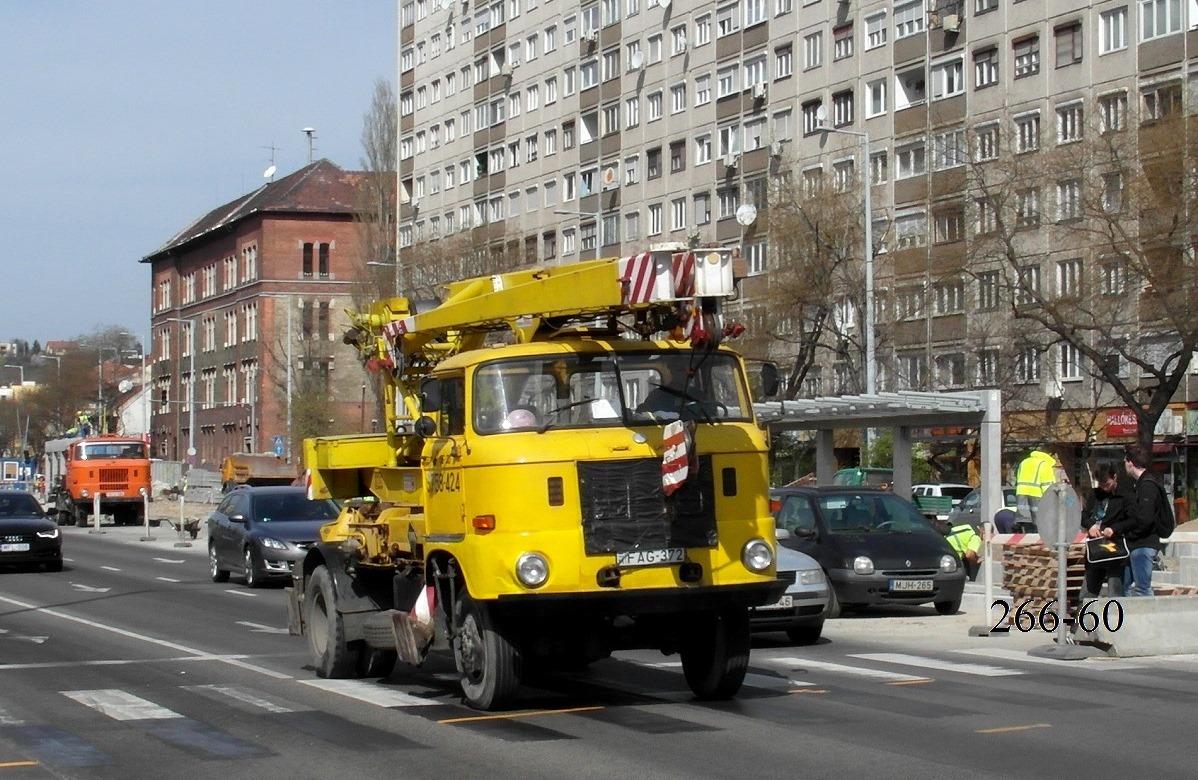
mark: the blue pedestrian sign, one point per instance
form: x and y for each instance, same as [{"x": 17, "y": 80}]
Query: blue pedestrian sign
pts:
[{"x": 279, "y": 446}]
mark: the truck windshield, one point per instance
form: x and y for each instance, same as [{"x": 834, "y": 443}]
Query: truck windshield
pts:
[
  {"x": 105, "y": 450},
  {"x": 609, "y": 389}
]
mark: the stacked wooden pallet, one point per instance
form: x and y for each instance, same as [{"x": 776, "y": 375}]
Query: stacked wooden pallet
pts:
[{"x": 1030, "y": 574}]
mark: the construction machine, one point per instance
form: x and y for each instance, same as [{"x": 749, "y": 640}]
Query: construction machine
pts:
[{"x": 571, "y": 466}]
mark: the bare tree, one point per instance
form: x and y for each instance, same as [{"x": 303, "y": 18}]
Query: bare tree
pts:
[
  {"x": 378, "y": 275},
  {"x": 1095, "y": 242}
]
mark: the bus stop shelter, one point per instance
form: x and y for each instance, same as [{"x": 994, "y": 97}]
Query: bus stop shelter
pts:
[{"x": 898, "y": 412}]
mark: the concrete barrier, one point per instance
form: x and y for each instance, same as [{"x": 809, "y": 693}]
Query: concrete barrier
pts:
[{"x": 1163, "y": 625}]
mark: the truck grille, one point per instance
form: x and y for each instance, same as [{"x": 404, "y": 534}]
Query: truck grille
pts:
[
  {"x": 113, "y": 479},
  {"x": 624, "y": 507}
]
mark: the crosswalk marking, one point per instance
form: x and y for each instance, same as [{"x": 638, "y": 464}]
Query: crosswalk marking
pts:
[
  {"x": 1011, "y": 654},
  {"x": 254, "y": 699},
  {"x": 903, "y": 659},
  {"x": 370, "y": 692},
  {"x": 121, "y": 705},
  {"x": 9, "y": 720},
  {"x": 855, "y": 671}
]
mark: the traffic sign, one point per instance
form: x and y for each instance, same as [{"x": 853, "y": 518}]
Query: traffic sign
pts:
[{"x": 279, "y": 446}]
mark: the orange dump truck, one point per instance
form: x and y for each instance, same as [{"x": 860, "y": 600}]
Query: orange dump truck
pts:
[{"x": 116, "y": 468}]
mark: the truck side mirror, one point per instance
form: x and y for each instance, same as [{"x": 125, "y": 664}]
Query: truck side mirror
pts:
[
  {"x": 769, "y": 379},
  {"x": 425, "y": 427}
]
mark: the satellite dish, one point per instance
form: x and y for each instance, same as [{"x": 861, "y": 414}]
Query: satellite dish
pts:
[
  {"x": 746, "y": 215},
  {"x": 665, "y": 4},
  {"x": 125, "y": 386},
  {"x": 821, "y": 115},
  {"x": 638, "y": 60},
  {"x": 266, "y": 174}
]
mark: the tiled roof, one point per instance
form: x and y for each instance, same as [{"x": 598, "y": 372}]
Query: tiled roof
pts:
[{"x": 318, "y": 188}]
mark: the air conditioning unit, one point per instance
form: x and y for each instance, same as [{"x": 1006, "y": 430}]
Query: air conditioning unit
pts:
[
  {"x": 415, "y": 204},
  {"x": 759, "y": 91},
  {"x": 775, "y": 149},
  {"x": 731, "y": 160},
  {"x": 950, "y": 22},
  {"x": 590, "y": 36},
  {"x": 505, "y": 70}
]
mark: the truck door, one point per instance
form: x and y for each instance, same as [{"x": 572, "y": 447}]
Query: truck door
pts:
[{"x": 441, "y": 461}]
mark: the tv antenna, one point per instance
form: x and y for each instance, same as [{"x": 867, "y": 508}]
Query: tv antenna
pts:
[{"x": 311, "y": 133}]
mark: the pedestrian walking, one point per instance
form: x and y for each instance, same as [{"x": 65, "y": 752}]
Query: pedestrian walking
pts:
[{"x": 1153, "y": 516}]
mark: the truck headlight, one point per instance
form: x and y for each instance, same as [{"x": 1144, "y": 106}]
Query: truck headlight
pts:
[
  {"x": 85, "y": 493},
  {"x": 863, "y": 564},
  {"x": 948, "y": 563},
  {"x": 532, "y": 569},
  {"x": 757, "y": 555}
]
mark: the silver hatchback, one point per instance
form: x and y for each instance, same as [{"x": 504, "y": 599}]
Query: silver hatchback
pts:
[{"x": 801, "y": 610}]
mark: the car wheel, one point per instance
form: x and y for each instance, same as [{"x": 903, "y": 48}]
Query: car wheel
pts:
[
  {"x": 833, "y": 610},
  {"x": 331, "y": 654},
  {"x": 218, "y": 574},
  {"x": 715, "y": 653},
  {"x": 805, "y": 635},
  {"x": 948, "y": 607},
  {"x": 488, "y": 661},
  {"x": 255, "y": 577}
]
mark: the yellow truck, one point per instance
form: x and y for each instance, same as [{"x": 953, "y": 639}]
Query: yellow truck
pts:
[
  {"x": 245, "y": 468},
  {"x": 571, "y": 466}
]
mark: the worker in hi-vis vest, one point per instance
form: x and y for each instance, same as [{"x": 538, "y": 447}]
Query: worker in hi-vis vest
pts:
[
  {"x": 1036, "y": 472},
  {"x": 968, "y": 545}
]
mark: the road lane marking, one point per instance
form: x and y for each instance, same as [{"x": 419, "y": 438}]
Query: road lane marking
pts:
[
  {"x": 370, "y": 692},
  {"x": 14, "y": 764},
  {"x": 910, "y": 682},
  {"x": 254, "y": 699},
  {"x": 1008, "y": 729},
  {"x": 772, "y": 683},
  {"x": 514, "y": 715},
  {"x": 170, "y": 560},
  {"x": 110, "y": 568},
  {"x": 9, "y": 720},
  {"x": 903, "y": 659},
  {"x": 121, "y": 705},
  {"x": 803, "y": 664},
  {"x": 809, "y": 690},
  {"x": 120, "y": 662},
  {"x": 241, "y": 593},
  {"x": 258, "y": 628},
  {"x": 200, "y": 654},
  {"x": 88, "y": 588},
  {"x": 167, "y": 579}
]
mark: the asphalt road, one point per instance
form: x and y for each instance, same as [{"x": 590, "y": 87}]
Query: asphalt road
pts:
[{"x": 131, "y": 663}]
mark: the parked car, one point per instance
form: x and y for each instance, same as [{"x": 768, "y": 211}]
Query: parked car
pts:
[
  {"x": 933, "y": 490},
  {"x": 872, "y": 477},
  {"x": 27, "y": 536},
  {"x": 875, "y": 547},
  {"x": 262, "y": 531},
  {"x": 800, "y": 610},
  {"x": 970, "y": 508}
]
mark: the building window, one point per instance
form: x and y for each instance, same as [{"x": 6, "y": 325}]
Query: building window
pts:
[
  {"x": 1112, "y": 193},
  {"x": 842, "y": 108},
  {"x": 703, "y": 30},
  {"x": 702, "y": 203},
  {"x": 1069, "y": 363},
  {"x": 844, "y": 175},
  {"x": 984, "y": 6},
  {"x": 875, "y": 98},
  {"x": 908, "y": 19},
  {"x": 729, "y": 201},
  {"x": 985, "y": 68},
  {"x": 811, "y": 120},
  {"x": 911, "y": 230},
  {"x": 1112, "y": 30},
  {"x": 910, "y": 160},
  {"x": 950, "y": 370},
  {"x": 1027, "y": 132},
  {"x": 1069, "y": 200},
  {"x": 756, "y": 254},
  {"x": 783, "y": 61},
  {"x": 875, "y": 31},
  {"x": 1068, "y": 40},
  {"x": 703, "y": 149},
  {"x": 912, "y": 371},
  {"x": 988, "y": 290},
  {"x": 727, "y": 20},
  {"x": 987, "y": 217},
  {"x": 1028, "y": 293},
  {"x": 678, "y": 98},
  {"x": 1112, "y": 110},
  {"x": 1070, "y": 123},
  {"x": 1027, "y": 207},
  {"x": 655, "y": 106},
  {"x": 842, "y": 43},
  {"x": 678, "y": 214},
  {"x": 948, "y": 79},
  {"x": 632, "y": 227},
  {"x": 985, "y": 142},
  {"x": 1027, "y": 56},
  {"x": 1027, "y": 365},
  {"x": 948, "y": 149},
  {"x": 1113, "y": 280},
  {"x": 950, "y": 227},
  {"x": 1159, "y": 17},
  {"x": 653, "y": 163},
  {"x": 879, "y": 169},
  {"x": 988, "y": 367},
  {"x": 702, "y": 90},
  {"x": 654, "y": 219},
  {"x": 677, "y": 156},
  {"x": 1160, "y": 101},
  {"x": 1069, "y": 277},
  {"x": 812, "y": 50}
]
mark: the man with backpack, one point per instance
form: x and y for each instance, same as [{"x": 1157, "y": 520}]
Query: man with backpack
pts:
[{"x": 1155, "y": 520}]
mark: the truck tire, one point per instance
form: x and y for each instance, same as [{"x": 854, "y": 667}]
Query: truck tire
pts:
[
  {"x": 715, "y": 653},
  {"x": 331, "y": 655},
  {"x": 80, "y": 517},
  {"x": 489, "y": 663}
]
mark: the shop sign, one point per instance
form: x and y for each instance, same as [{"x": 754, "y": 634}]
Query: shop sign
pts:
[{"x": 1121, "y": 422}]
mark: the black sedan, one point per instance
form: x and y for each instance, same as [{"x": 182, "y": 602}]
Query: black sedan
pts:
[
  {"x": 262, "y": 531},
  {"x": 27, "y": 536},
  {"x": 875, "y": 547}
]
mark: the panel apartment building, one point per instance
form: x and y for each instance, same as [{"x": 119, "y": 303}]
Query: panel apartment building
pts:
[{"x": 550, "y": 131}]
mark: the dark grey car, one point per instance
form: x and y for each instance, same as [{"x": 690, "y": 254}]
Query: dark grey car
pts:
[{"x": 262, "y": 531}]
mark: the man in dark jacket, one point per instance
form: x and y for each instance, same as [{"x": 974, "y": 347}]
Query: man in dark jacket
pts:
[
  {"x": 1106, "y": 515},
  {"x": 1142, "y": 539}
]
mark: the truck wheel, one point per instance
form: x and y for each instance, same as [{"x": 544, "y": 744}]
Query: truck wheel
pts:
[
  {"x": 715, "y": 653},
  {"x": 489, "y": 663},
  {"x": 218, "y": 574},
  {"x": 80, "y": 517},
  {"x": 331, "y": 655},
  {"x": 376, "y": 663}
]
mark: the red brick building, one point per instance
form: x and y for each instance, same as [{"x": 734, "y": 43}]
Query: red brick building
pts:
[{"x": 257, "y": 288}]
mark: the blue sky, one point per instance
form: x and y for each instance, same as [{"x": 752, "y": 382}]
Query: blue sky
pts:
[{"x": 122, "y": 121}]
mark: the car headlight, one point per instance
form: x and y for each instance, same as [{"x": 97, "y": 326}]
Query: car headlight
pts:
[
  {"x": 51, "y": 534},
  {"x": 532, "y": 569},
  {"x": 863, "y": 564},
  {"x": 757, "y": 555},
  {"x": 811, "y": 577},
  {"x": 948, "y": 563},
  {"x": 273, "y": 544}
]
